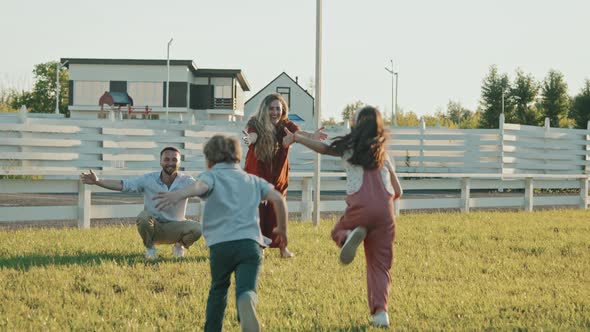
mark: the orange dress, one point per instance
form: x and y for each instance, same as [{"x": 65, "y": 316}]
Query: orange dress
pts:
[{"x": 277, "y": 173}]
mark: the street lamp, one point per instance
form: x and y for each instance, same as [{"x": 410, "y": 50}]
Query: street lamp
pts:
[
  {"x": 393, "y": 104},
  {"x": 58, "y": 67},
  {"x": 168, "y": 77}
]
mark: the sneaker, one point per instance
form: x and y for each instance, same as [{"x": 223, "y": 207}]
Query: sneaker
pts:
[
  {"x": 247, "y": 312},
  {"x": 178, "y": 251},
  {"x": 380, "y": 319},
  {"x": 352, "y": 242},
  {"x": 150, "y": 253},
  {"x": 267, "y": 241}
]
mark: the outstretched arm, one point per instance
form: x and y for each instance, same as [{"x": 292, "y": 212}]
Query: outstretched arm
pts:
[
  {"x": 315, "y": 145},
  {"x": 249, "y": 138},
  {"x": 168, "y": 199},
  {"x": 317, "y": 135},
  {"x": 91, "y": 178},
  {"x": 280, "y": 206}
]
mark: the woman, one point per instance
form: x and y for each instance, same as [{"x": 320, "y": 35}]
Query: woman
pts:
[{"x": 267, "y": 155}]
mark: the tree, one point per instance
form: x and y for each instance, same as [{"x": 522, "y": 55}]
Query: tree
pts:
[
  {"x": 524, "y": 92},
  {"x": 43, "y": 94},
  {"x": 407, "y": 119},
  {"x": 5, "y": 105},
  {"x": 460, "y": 116},
  {"x": 555, "y": 101},
  {"x": 495, "y": 87},
  {"x": 18, "y": 99},
  {"x": 580, "y": 111},
  {"x": 349, "y": 109}
]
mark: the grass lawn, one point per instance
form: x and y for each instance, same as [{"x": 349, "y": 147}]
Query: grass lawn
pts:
[{"x": 476, "y": 271}]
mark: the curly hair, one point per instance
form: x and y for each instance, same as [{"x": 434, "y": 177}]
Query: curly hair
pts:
[
  {"x": 366, "y": 139},
  {"x": 267, "y": 143}
]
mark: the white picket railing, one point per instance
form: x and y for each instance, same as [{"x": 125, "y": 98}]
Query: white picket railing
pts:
[{"x": 515, "y": 157}]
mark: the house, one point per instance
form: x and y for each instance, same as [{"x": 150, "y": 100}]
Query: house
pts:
[
  {"x": 206, "y": 94},
  {"x": 300, "y": 102}
]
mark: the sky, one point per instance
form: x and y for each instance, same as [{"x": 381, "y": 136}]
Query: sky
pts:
[{"x": 442, "y": 50}]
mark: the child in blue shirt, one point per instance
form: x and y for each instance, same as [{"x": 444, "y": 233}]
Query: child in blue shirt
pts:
[{"x": 231, "y": 228}]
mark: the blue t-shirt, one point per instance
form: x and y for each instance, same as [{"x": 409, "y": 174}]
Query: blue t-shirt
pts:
[
  {"x": 150, "y": 185},
  {"x": 231, "y": 210}
]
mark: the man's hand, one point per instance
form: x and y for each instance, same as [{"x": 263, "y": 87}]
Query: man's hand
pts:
[
  {"x": 89, "y": 178},
  {"x": 249, "y": 138}
]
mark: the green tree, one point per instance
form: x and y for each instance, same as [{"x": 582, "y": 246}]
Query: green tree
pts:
[
  {"x": 495, "y": 97},
  {"x": 580, "y": 111},
  {"x": 18, "y": 99},
  {"x": 407, "y": 119},
  {"x": 349, "y": 109},
  {"x": 5, "y": 102},
  {"x": 460, "y": 116},
  {"x": 524, "y": 92},
  {"x": 555, "y": 101},
  {"x": 44, "y": 90}
]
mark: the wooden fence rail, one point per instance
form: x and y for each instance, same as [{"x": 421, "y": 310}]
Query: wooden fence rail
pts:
[{"x": 514, "y": 159}]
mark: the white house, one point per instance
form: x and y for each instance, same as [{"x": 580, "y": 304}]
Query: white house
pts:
[
  {"x": 299, "y": 100},
  {"x": 136, "y": 88}
]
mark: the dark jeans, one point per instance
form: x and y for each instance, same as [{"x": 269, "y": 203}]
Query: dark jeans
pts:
[{"x": 242, "y": 256}]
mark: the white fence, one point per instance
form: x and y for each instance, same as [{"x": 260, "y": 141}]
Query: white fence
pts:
[{"x": 513, "y": 158}]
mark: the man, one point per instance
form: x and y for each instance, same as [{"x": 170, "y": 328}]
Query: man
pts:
[{"x": 158, "y": 227}]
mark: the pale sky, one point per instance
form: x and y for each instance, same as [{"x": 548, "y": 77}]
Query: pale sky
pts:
[{"x": 441, "y": 49}]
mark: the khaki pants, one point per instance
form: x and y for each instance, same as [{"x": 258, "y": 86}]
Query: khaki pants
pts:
[{"x": 154, "y": 232}]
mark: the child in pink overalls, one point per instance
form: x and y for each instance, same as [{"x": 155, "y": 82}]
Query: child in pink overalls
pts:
[{"x": 372, "y": 185}]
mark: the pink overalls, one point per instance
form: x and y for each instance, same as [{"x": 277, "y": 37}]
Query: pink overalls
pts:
[{"x": 372, "y": 207}]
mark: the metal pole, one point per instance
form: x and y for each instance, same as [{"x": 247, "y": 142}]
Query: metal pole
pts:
[
  {"x": 396, "y": 81},
  {"x": 502, "y": 101},
  {"x": 57, "y": 87},
  {"x": 58, "y": 66},
  {"x": 317, "y": 107},
  {"x": 393, "y": 104},
  {"x": 393, "y": 110},
  {"x": 168, "y": 78}
]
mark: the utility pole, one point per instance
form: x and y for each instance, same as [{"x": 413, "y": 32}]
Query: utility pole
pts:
[
  {"x": 168, "y": 78},
  {"x": 58, "y": 67},
  {"x": 393, "y": 103}
]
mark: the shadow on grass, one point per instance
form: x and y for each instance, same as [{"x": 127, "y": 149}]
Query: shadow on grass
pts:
[{"x": 28, "y": 261}]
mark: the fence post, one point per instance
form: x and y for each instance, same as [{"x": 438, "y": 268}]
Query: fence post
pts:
[
  {"x": 584, "y": 193},
  {"x": 84, "y": 205},
  {"x": 306, "y": 198},
  {"x": 528, "y": 194},
  {"x": 422, "y": 132},
  {"x": 586, "y": 167},
  {"x": 501, "y": 137},
  {"x": 465, "y": 194}
]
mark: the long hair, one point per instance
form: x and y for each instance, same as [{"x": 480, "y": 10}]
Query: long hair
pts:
[
  {"x": 366, "y": 139},
  {"x": 267, "y": 143}
]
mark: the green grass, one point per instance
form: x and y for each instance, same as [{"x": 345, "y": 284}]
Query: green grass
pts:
[{"x": 477, "y": 271}]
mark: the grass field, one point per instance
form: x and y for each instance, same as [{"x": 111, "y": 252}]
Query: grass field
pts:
[{"x": 477, "y": 271}]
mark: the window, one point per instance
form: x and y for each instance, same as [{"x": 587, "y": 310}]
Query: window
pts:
[
  {"x": 89, "y": 92},
  {"x": 223, "y": 91},
  {"x": 223, "y": 87},
  {"x": 286, "y": 93},
  {"x": 146, "y": 93},
  {"x": 177, "y": 96}
]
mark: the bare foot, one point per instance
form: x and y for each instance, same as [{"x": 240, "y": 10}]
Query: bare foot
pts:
[{"x": 285, "y": 253}]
